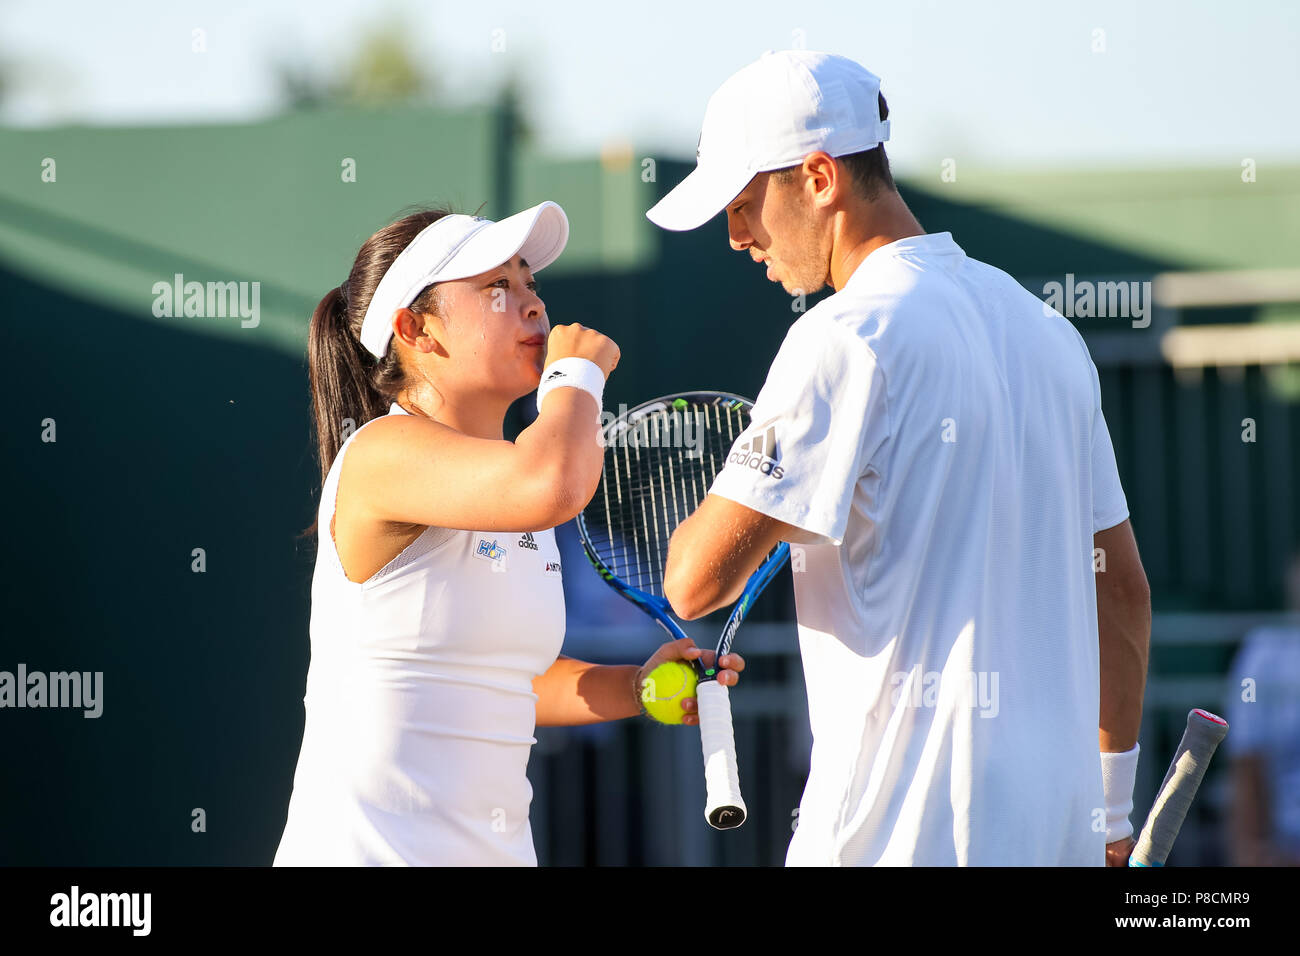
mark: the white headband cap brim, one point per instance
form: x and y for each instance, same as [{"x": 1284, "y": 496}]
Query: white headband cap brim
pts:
[{"x": 457, "y": 247}]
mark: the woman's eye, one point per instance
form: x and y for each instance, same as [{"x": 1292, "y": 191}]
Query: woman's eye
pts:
[{"x": 504, "y": 283}]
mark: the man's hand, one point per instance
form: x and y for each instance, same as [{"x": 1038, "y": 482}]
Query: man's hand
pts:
[{"x": 1117, "y": 853}]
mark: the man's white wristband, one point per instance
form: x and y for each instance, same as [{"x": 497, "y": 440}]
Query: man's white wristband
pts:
[
  {"x": 1118, "y": 773},
  {"x": 573, "y": 372}
]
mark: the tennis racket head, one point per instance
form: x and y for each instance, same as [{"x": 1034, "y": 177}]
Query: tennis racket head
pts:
[{"x": 661, "y": 457}]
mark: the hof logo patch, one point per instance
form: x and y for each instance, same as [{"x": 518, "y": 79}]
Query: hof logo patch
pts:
[{"x": 490, "y": 550}]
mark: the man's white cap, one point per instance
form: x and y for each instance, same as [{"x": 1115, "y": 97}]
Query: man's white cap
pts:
[
  {"x": 770, "y": 115},
  {"x": 457, "y": 247}
]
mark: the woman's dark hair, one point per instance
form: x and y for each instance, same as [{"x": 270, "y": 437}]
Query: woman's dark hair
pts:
[{"x": 349, "y": 386}]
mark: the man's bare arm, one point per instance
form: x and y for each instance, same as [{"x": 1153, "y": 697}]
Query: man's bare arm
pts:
[
  {"x": 1124, "y": 631},
  {"x": 713, "y": 553}
]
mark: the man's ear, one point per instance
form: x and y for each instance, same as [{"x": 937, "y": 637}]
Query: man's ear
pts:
[{"x": 822, "y": 177}]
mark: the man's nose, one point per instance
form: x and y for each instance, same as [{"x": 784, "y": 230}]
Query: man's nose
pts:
[{"x": 739, "y": 236}]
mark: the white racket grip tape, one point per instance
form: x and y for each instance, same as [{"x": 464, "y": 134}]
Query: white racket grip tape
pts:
[
  {"x": 1200, "y": 739},
  {"x": 724, "y": 808}
]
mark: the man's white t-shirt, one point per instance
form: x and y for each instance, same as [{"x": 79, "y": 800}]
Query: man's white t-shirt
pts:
[{"x": 940, "y": 430}]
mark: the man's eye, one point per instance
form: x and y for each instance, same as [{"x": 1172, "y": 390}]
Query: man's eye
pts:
[{"x": 533, "y": 285}]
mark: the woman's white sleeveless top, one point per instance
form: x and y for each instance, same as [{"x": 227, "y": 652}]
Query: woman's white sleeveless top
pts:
[{"x": 419, "y": 703}]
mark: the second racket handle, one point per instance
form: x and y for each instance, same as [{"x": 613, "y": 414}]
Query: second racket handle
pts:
[
  {"x": 1201, "y": 738},
  {"x": 724, "y": 808}
]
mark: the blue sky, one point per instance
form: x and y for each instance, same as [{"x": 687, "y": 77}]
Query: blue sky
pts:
[{"x": 1003, "y": 83}]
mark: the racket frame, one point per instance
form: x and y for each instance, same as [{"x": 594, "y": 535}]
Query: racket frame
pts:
[
  {"x": 724, "y": 807},
  {"x": 656, "y": 606}
]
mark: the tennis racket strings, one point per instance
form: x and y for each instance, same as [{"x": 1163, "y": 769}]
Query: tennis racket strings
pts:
[{"x": 659, "y": 466}]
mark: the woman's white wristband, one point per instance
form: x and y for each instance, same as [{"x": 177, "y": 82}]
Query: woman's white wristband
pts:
[
  {"x": 573, "y": 372},
  {"x": 1118, "y": 773}
]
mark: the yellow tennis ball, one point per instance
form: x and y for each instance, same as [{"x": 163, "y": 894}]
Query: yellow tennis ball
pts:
[{"x": 664, "y": 689}]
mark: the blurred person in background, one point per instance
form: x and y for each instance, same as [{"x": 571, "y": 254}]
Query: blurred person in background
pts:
[{"x": 1264, "y": 743}]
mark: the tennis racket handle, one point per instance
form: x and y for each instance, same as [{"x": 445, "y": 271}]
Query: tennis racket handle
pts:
[
  {"x": 1200, "y": 739},
  {"x": 724, "y": 808}
]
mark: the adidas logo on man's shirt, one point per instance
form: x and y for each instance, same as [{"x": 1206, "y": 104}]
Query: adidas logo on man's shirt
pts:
[
  {"x": 760, "y": 453},
  {"x": 528, "y": 542}
]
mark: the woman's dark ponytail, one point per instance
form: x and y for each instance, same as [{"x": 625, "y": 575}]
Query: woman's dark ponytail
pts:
[{"x": 349, "y": 386}]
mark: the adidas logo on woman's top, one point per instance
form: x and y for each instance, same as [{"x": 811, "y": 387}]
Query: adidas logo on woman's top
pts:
[{"x": 527, "y": 541}]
